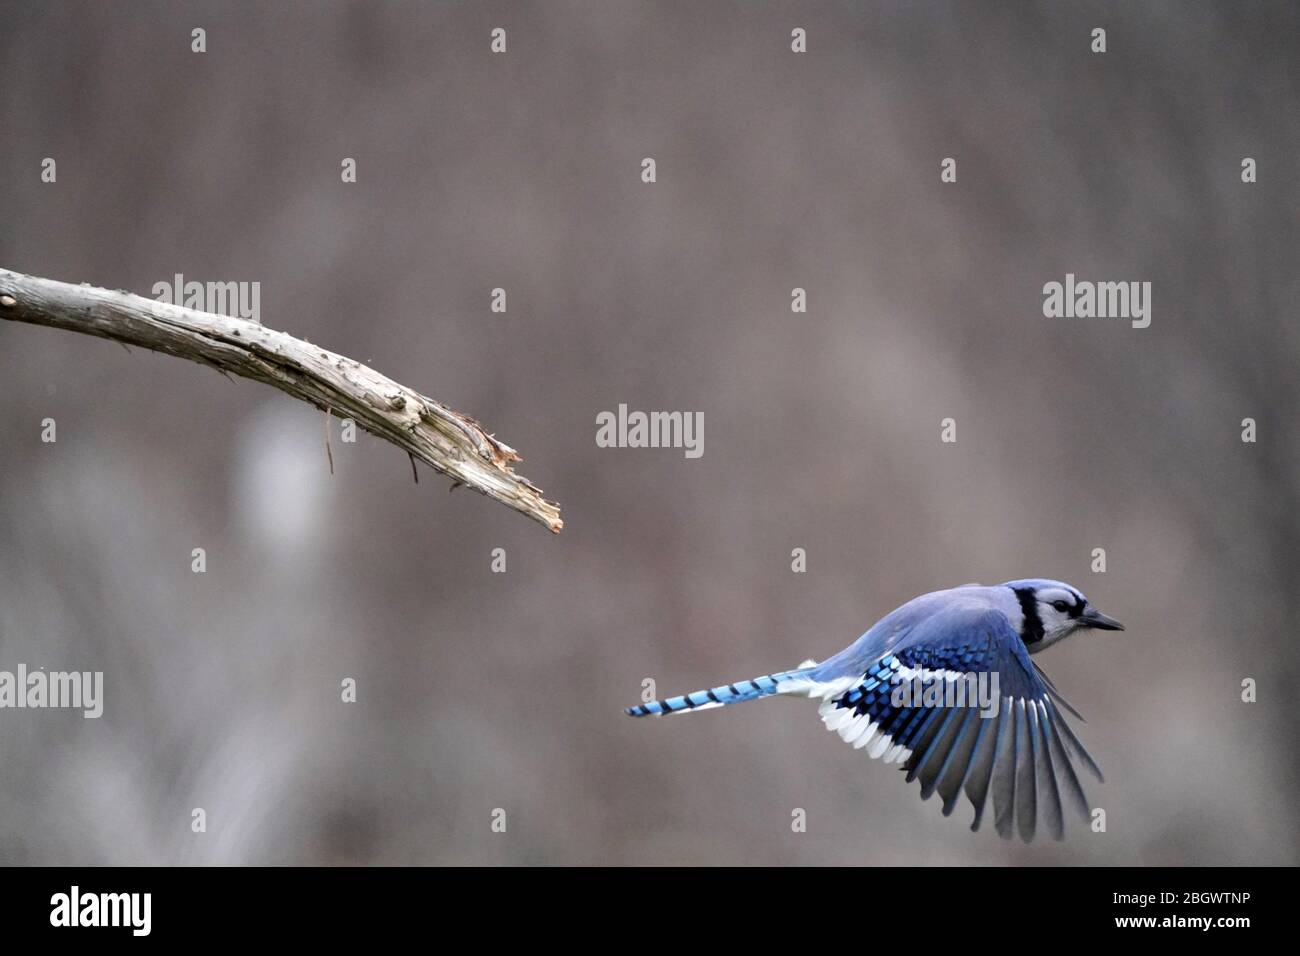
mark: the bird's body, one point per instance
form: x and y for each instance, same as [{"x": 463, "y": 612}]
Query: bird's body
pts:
[{"x": 944, "y": 685}]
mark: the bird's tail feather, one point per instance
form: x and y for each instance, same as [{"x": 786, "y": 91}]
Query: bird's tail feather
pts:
[{"x": 764, "y": 686}]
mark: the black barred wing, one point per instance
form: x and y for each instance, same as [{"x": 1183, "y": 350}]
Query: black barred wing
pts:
[{"x": 960, "y": 705}]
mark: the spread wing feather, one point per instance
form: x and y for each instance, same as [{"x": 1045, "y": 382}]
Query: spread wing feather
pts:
[{"x": 922, "y": 704}]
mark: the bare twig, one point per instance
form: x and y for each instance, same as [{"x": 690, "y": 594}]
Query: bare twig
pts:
[{"x": 450, "y": 442}]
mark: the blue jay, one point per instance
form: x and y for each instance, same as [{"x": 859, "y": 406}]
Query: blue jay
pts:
[{"x": 900, "y": 690}]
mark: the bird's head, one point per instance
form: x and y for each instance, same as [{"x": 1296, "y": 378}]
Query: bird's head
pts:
[{"x": 1053, "y": 610}]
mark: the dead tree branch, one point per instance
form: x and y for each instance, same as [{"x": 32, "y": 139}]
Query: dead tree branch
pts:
[{"x": 450, "y": 442}]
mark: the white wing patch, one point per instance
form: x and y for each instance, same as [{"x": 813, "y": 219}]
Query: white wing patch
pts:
[
  {"x": 860, "y": 730},
  {"x": 926, "y": 674}
]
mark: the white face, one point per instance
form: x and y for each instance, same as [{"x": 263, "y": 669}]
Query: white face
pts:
[{"x": 1059, "y": 608}]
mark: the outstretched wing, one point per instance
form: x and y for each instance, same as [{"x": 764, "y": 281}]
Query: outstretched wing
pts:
[{"x": 958, "y": 702}]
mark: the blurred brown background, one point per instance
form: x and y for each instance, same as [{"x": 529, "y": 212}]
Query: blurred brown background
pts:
[{"x": 775, "y": 170}]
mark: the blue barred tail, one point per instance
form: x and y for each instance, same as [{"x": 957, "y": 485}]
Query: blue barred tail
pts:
[{"x": 717, "y": 697}]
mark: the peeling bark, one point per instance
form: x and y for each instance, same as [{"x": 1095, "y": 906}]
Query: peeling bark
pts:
[{"x": 448, "y": 441}]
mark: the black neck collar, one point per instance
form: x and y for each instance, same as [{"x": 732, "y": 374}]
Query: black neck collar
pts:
[{"x": 1031, "y": 629}]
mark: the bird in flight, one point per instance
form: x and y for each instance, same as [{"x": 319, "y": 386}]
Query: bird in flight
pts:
[{"x": 944, "y": 686}]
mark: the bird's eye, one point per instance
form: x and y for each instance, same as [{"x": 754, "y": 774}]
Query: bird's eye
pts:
[{"x": 1061, "y": 606}]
